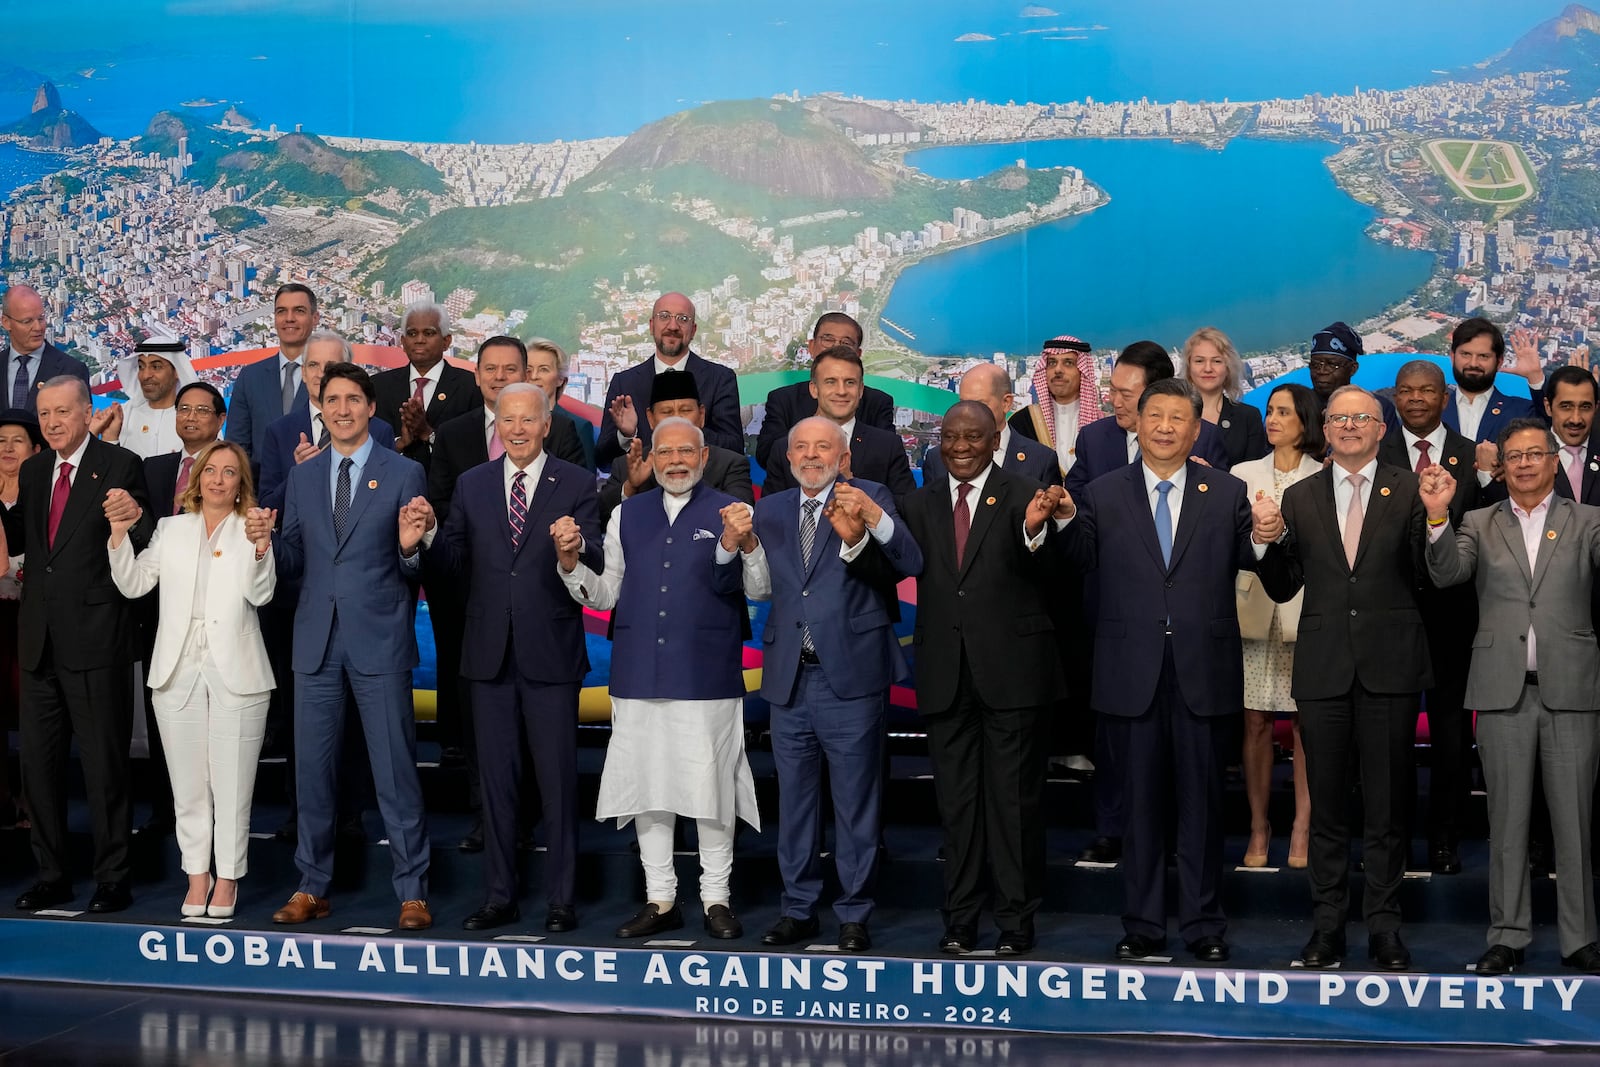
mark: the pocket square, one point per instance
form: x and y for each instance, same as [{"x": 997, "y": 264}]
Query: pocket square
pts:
[{"x": 701, "y": 535}]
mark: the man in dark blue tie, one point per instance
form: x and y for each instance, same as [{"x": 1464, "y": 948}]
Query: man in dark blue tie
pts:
[{"x": 31, "y": 360}]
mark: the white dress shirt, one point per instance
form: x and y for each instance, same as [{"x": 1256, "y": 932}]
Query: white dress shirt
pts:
[
  {"x": 76, "y": 459},
  {"x": 1470, "y": 411},
  {"x": 430, "y": 380},
  {"x": 534, "y": 471},
  {"x": 1342, "y": 490},
  {"x": 1435, "y": 445},
  {"x": 1179, "y": 478},
  {"x": 1532, "y": 523}
]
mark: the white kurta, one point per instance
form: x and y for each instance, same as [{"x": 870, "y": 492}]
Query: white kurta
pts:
[{"x": 682, "y": 756}]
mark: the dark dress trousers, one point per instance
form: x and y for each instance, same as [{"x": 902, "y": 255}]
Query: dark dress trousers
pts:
[
  {"x": 1360, "y": 662},
  {"x": 876, "y": 455},
  {"x": 788, "y": 404},
  {"x": 523, "y": 654},
  {"x": 719, "y": 395},
  {"x": 986, "y": 665},
  {"x": 1450, "y": 616},
  {"x": 456, "y": 393},
  {"x": 1169, "y": 672},
  {"x": 77, "y": 643}
]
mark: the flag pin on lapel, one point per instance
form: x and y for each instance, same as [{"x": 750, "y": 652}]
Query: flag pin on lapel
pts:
[
  {"x": 373, "y": 484},
  {"x": 1384, "y": 491}
]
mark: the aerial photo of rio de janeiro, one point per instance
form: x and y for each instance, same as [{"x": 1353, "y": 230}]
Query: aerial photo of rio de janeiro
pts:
[{"x": 965, "y": 184}]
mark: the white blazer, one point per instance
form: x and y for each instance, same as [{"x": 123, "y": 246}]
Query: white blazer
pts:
[
  {"x": 1254, "y": 606},
  {"x": 237, "y": 585}
]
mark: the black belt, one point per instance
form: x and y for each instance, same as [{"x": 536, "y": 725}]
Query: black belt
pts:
[
  {"x": 1531, "y": 678},
  {"x": 809, "y": 655}
]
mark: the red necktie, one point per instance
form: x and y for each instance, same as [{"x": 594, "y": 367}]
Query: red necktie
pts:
[
  {"x": 963, "y": 519},
  {"x": 417, "y": 396},
  {"x": 183, "y": 483},
  {"x": 58, "y": 500},
  {"x": 1423, "y": 462}
]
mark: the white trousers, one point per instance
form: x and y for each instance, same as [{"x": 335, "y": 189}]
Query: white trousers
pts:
[
  {"x": 655, "y": 852},
  {"x": 212, "y": 738}
]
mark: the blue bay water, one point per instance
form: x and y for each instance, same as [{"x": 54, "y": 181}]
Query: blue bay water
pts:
[
  {"x": 19, "y": 167},
  {"x": 1256, "y": 239},
  {"x": 504, "y": 71}
]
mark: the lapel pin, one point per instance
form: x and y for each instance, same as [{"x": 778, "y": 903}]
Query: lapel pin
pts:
[
  {"x": 989, "y": 501},
  {"x": 1549, "y": 535},
  {"x": 1227, "y": 424},
  {"x": 1495, "y": 411},
  {"x": 217, "y": 554},
  {"x": 94, "y": 474},
  {"x": 1452, "y": 461},
  {"x": 1594, "y": 464},
  {"x": 373, "y": 484},
  {"x": 144, "y": 429},
  {"x": 441, "y": 396},
  {"x": 550, "y": 478},
  {"x": 1204, "y": 488},
  {"x": 1384, "y": 491},
  {"x": 1022, "y": 455}
]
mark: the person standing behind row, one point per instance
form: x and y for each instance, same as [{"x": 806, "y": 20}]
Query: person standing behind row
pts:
[
  {"x": 419, "y": 398},
  {"x": 209, "y": 673},
  {"x": 31, "y": 360},
  {"x": 1294, "y": 429},
  {"x": 1212, "y": 363},
  {"x": 20, "y": 440},
  {"x": 269, "y": 389},
  {"x": 1066, "y": 389},
  {"x": 990, "y": 385}
]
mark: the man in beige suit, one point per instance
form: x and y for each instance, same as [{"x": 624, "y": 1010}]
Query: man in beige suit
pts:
[{"x": 1535, "y": 680}]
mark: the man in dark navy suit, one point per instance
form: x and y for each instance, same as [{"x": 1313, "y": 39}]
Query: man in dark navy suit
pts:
[
  {"x": 523, "y": 649},
  {"x": 271, "y": 388},
  {"x": 429, "y": 391},
  {"x": 1106, "y": 445},
  {"x": 1172, "y": 535},
  {"x": 788, "y": 404},
  {"x": 1477, "y": 409},
  {"x": 990, "y": 385},
  {"x": 837, "y": 390},
  {"x": 831, "y": 654},
  {"x": 31, "y": 360},
  {"x": 672, "y": 328},
  {"x": 1571, "y": 397}
]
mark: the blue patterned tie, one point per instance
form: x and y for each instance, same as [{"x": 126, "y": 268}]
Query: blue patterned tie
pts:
[
  {"x": 341, "y": 499},
  {"x": 19, "y": 387},
  {"x": 808, "y": 541},
  {"x": 519, "y": 507},
  {"x": 1164, "y": 523}
]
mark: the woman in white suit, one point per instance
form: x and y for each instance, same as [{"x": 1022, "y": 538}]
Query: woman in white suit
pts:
[
  {"x": 209, "y": 675},
  {"x": 1294, "y": 430}
]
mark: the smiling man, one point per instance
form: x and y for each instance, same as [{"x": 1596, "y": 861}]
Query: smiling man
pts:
[
  {"x": 269, "y": 388},
  {"x": 151, "y": 377}
]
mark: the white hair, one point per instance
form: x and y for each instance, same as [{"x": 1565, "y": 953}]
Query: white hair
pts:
[
  {"x": 672, "y": 423},
  {"x": 427, "y": 307},
  {"x": 844, "y": 438},
  {"x": 345, "y": 351},
  {"x": 519, "y": 388}
]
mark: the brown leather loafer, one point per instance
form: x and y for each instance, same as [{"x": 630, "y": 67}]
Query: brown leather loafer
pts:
[
  {"x": 414, "y": 915},
  {"x": 302, "y": 907}
]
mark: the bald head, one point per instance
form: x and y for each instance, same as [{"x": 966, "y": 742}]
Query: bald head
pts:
[
  {"x": 22, "y": 316},
  {"x": 672, "y": 326},
  {"x": 989, "y": 385}
]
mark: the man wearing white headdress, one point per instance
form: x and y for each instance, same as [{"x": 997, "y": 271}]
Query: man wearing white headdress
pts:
[{"x": 151, "y": 377}]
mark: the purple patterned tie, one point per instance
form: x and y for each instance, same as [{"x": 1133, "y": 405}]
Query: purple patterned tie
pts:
[
  {"x": 19, "y": 387},
  {"x": 519, "y": 507}
]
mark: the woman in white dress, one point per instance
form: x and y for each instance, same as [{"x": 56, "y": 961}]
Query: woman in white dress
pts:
[
  {"x": 1294, "y": 429},
  {"x": 209, "y": 675}
]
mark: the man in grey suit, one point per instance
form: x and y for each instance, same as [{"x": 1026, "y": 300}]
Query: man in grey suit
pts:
[{"x": 1535, "y": 680}]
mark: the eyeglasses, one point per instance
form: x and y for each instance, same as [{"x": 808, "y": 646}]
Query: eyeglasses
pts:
[
  {"x": 830, "y": 341},
  {"x": 680, "y": 318},
  {"x": 686, "y": 452},
  {"x": 1359, "y": 420},
  {"x": 1329, "y": 364},
  {"x": 201, "y": 410},
  {"x": 1532, "y": 455},
  {"x": 28, "y": 324}
]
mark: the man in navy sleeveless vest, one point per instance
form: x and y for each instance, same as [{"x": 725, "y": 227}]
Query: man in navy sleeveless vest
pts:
[{"x": 674, "y": 576}]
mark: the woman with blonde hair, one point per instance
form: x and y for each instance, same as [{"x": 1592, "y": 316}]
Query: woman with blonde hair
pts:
[
  {"x": 1213, "y": 366},
  {"x": 1294, "y": 428},
  {"x": 209, "y": 674}
]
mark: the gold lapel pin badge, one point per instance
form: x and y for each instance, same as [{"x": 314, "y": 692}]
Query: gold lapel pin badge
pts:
[
  {"x": 1204, "y": 487},
  {"x": 440, "y": 396},
  {"x": 989, "y": 501},
  {"x": 1384, "y": 491},
  {"x": 1549, "y": 535},
  {"x": 1022, "y": 455},
  {"x": 373, "y": 484},
  {"x": 1452, "y": 461}
]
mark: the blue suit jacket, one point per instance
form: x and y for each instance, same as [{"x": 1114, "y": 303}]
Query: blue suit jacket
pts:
[
  {"x": 876, "y": 455},
  {"x": 276, "y": 459},
  {"x": 849, "y": 621},
  {"x": 362, "y": 577},
  {"x": 515, "y": 599},
  {"x": 1103, "y": 448},
  {"x": 719, "y": 395},
  {"x": 1024, "y": 456},
  {"x": 1502, "y": 409},
  {"x": 255, "y": 402},
  {"x": 53, "y": 363},
  {"x": 1115, "y": 533}
]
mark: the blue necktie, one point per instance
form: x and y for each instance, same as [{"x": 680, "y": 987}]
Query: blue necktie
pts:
[
  {"x": 341, "y": 498},
  {"x": 808, "y": 540},
  {"x": 1164, "y": 523},
  {"x": 19, "y": 387}
]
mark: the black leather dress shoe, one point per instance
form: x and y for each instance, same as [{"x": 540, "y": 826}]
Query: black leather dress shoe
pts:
[
  {"x": 492, "y": 915},
  {"x": 473, "y": 842},
  {"x": 1102, "y": 850},
  {"x": 1134, "y": 947},
  {"x": 1014, "y": 943},
  {"x": 1325, "y": 948},
  {"x": 1500, "y": 959},
  {"x": 787, "y": 930},
  {"x": 722, "y": 923},
  {"x": 958, "y": 939},
  {"x": 1444, "y": 859},
  {"x": 650, "y": 921},
  {"x": 853, "y": 937},
  {"x": 561, "y": 919},
  {"x": 1586, "y": 959},
  {"x": 45, "y": 895},
  {"x": 1388, "y": 951},
  {"x": 1211, "y": 949},
  {"x": 110, "y": 896}
]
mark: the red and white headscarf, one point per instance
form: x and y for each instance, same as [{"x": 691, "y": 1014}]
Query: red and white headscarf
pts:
[{"x": 1089, "y": 398}]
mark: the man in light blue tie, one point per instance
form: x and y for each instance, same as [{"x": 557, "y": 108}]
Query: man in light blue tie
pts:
[{"x": 352, "y": 532}]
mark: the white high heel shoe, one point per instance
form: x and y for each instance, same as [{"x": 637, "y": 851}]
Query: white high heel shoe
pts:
[
  {"x": 194, "y": 911},
  {"x": 223, "y": 911}
]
